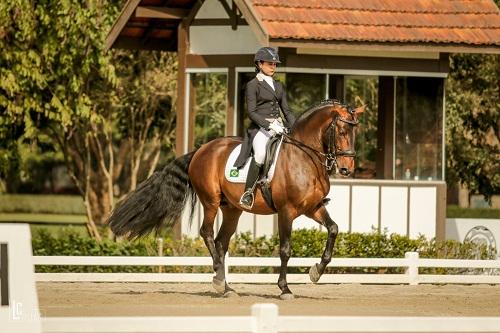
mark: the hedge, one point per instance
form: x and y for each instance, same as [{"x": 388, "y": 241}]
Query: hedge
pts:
[{"x": 305, "y": 243}]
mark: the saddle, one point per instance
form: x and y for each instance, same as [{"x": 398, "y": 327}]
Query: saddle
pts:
[{"x": 235, "y": 175}]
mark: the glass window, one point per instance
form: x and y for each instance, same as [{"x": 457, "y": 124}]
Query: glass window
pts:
[
  {"x": 304, "y": 90},
  {"x": 419, "y": 124},
  {"x": 364, "y": 91},
  {"x": 208, "y": 99}
]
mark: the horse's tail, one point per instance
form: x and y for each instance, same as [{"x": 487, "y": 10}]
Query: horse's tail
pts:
[{"x": 156, "y": 202}]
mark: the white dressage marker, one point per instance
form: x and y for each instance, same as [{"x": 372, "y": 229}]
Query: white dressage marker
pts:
[{"x": 19, "y": 304}]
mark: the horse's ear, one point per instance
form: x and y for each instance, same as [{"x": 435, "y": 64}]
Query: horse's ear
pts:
[{"x": 359, "y": 111}]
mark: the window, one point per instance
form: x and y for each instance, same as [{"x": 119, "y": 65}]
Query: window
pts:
[
  {"x": 419, "y": 123},
  {"x": 208, "y": 101},
  {"x": 304, "y": 90},
  {"x": 364, "y": 91}
]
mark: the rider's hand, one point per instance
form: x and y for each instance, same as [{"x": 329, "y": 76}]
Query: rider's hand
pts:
[{"x": 276, "y": 127}]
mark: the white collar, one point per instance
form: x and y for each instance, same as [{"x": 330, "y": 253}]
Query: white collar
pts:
[{"x": 263, "y": 77}]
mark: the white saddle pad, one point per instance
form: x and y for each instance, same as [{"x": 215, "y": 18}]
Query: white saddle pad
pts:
[{"x": 235, "y": 175}]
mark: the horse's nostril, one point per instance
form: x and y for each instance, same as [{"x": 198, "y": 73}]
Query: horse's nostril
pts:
[{"x": 344, "y": 172}]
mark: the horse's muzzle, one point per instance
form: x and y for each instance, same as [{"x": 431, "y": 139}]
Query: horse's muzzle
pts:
[{"x": 344, "y": 172}]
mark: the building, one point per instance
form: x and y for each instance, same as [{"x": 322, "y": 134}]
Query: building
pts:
[{"x": 390, "y": 55}]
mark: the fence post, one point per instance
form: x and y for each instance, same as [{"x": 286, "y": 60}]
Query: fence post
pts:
[
  {"x": 265, "y": 317},
  {"x": 226, "y": 266},
  {"x": 160, "y": 252},
  {"x": 412, "y": 269}
]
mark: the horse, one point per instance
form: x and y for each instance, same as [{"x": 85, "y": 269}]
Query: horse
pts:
[{"x": 321, "y": 142}]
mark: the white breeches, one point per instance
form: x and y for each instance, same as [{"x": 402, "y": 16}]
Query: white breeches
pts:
[{"x": 259, "y": 144}]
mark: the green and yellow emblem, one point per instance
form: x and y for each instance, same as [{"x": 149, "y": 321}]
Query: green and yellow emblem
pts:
[{"x": 234, "y": 173}]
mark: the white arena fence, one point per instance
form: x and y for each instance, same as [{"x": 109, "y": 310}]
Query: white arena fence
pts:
[
  {"x": 411, "y": 263},
  {"x": 265, "y": 319}
]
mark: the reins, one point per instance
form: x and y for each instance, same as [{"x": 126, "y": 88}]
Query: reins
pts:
[
  {"x": 330, "y": 160},
  {"x": 331, "y": 156}
]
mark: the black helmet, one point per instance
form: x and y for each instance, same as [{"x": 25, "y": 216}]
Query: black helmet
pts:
[{"x": 267, "y": 54}]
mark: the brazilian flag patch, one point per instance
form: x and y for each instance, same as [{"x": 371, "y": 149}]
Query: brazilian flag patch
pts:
[{"x": 234, "y": 173}]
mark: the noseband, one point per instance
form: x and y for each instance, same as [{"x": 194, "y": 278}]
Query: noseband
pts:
[{"x": 333, "y": 152}]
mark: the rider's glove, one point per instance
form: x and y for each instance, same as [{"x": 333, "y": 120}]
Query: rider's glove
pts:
[{"x": 276, "y": 127}]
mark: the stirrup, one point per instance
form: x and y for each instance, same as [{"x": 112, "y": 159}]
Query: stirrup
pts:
[{"x": 244, "y": 205}]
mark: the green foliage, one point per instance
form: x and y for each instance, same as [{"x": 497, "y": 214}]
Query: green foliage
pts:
[
  {"x": 473, "y": 123},
  {"x": 305, "y": 243},
  {"x": 51, "y": 60},
  {"x": 64, "y": 101}
]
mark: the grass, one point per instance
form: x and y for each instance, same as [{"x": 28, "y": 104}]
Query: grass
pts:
[
  {"x": 453, "y": 211},
  {"x": 43, "y": 218},
  {"x": 41, "y": 204}
]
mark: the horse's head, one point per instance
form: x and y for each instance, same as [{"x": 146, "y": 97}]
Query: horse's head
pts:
[
  {"x": 338, "y": 141},
  {"x": 329, "y": 129}
]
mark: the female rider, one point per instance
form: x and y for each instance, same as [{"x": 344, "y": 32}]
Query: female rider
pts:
[{"x": 265, "y": 99}]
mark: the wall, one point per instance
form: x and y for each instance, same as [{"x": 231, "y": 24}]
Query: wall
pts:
[{"x": 220, "y": 39}]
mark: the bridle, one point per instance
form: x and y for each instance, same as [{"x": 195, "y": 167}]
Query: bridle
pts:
[{"x": 332, "y": 151}]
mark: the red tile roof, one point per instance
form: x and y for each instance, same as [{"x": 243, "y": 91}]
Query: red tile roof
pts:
[{"x": 469, "y": 22}]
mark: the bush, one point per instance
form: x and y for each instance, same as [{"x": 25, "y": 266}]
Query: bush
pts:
[{"x": 305, "y": 243}]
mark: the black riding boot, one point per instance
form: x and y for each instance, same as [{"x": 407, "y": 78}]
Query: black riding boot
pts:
[{"x": 247, "y": 198}]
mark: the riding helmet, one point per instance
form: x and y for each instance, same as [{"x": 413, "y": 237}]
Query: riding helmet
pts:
[{"x": 268, "y": 54}]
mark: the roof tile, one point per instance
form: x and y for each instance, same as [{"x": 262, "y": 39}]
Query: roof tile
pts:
[{"x": 474, "y": 22}]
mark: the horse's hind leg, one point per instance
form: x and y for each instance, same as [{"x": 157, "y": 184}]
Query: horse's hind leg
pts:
[
  {"x": 230, "y": 219},
  {"x": 320, "y": 215}
]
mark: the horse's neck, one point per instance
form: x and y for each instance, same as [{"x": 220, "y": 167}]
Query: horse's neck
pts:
[{"x": 310, "y": 131}]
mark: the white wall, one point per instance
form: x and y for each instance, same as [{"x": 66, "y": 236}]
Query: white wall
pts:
[{"x": 205, "y": 40}]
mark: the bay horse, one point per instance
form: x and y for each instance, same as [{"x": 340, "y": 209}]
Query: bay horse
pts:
[{"x": 320, "y": 142}]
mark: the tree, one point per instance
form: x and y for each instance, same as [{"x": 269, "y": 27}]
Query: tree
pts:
[
  {"x": 473, "y": 122},
  {"x": 108, "y": 113}
]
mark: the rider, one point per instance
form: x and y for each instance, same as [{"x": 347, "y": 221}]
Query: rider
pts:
[{"x": 265, "y": 98}]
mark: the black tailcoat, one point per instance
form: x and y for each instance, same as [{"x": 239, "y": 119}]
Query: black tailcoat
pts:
[{"x": 263, "y": 103}]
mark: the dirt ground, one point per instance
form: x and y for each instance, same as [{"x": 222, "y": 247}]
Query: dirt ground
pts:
[{"x": 195, "y": 299}]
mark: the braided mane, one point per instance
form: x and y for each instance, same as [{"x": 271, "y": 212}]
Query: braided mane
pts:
[{"x": 321, "y": 104}]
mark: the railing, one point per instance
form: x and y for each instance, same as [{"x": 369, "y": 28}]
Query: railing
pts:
[
  {"x": 265, "y": 319},
  {"x": 411, "y": 263}
]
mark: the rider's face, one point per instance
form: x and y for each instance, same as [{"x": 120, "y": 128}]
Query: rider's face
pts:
[{"x": 268, "y": 68}]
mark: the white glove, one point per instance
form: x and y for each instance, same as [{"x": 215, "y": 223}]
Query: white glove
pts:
[{"x": 276, "y": 127}]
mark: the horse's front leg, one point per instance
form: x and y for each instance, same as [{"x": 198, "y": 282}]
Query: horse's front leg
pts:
[
  {"x": 229, "y": 223},
  {"x": 285, "y": 232},
  {"x": 321, "y": 216}
]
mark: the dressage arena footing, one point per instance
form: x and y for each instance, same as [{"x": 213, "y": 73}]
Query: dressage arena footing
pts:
[{"x": 199, "y": 299}]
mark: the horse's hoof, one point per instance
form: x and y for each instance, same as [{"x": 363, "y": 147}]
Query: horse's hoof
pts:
[
  {"x": 314, "y": 274},
  {"x": 287, "y": 296},
  {"x": 219, "y": 285},
  {"x": 231, "y": 294}
]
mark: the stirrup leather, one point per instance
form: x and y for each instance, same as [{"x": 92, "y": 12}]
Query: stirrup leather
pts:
[{"x": 243, "y": 202}]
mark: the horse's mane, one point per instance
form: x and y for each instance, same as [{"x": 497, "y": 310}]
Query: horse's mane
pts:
[{"x": 320, "y": 105}]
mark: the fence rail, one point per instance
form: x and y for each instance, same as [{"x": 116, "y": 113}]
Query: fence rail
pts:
[
  {"x": 411, "y": 263},
  {"x": 265, "y": 319}
]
